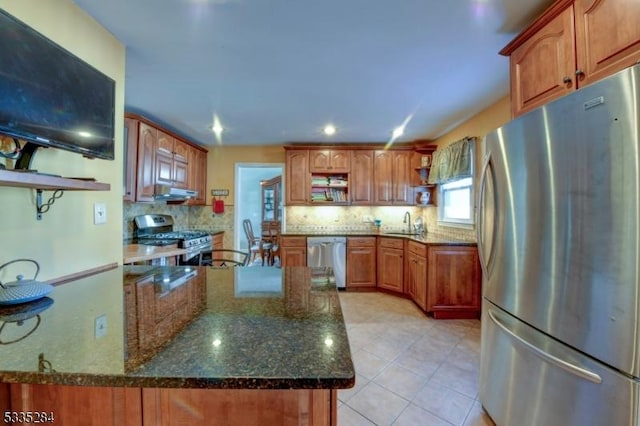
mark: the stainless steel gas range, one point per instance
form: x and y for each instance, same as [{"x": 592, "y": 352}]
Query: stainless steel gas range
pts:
[{"x": 157, "y": 230}]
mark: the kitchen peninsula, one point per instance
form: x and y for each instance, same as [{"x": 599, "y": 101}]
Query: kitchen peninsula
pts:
[{"x": 149, "y": 345}]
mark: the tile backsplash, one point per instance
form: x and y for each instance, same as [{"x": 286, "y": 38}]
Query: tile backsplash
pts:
[
  {"x": 299, "y": 219},
  {"x": 184, "y": 217},
  {"x": 355, "y": 219}
]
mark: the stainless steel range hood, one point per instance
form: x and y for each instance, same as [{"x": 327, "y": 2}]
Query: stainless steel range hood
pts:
[{"x": 169, "y": 193}]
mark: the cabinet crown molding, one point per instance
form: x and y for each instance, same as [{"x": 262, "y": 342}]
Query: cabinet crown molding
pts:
[
  {"x": 551, "y": 12},
  {"x": 164, "y": 130}
]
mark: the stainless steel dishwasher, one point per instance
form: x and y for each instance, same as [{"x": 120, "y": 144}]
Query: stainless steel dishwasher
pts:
[{"x": 329, "y": 251}]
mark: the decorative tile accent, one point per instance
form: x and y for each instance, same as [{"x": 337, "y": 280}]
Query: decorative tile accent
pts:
[{"x": 350, "y": 219}]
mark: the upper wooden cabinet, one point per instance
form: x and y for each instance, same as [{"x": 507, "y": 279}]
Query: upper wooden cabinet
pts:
[
  {"x": 297, "y": 172},
  {"x": 130, "y": 159},
  {"x": 574, "y": 43},
  {"x": 361, "y": 177},
  {"x": 543, "y": 68},
  {"x": 197, "y": 176},
  {"x": 161, "y": 157},
  {"x": 357, "y": 175},
  {"x": 332, "y": 161},
  {"x": 392, "y": 177},
  {"x": 607, "y": 36},
  {"x": 147, "y": 137},
  {"x": 172, "y": 161}
]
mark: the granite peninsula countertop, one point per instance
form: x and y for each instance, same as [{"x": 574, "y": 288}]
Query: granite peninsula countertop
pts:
[{"x": 183, "y": 327}]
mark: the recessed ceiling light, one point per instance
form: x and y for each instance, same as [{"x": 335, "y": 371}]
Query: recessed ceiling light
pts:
[
  {"x": 329, "y": 130},
  {"x": 398, "y": 131},
  {"x": 217, "y": 128}
]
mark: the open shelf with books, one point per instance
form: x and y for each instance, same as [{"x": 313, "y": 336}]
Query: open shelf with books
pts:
[{"x": 330, "y": 188}]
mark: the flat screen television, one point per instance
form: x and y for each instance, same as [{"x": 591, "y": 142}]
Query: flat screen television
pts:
[{"x": 50, "y": 97}]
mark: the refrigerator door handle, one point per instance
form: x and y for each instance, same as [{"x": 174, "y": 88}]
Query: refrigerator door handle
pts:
[
  {"x": 568, "y": 367},
  {"x": 484, "y": 257}
]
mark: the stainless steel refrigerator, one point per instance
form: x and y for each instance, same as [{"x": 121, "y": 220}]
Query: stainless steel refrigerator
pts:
[{"x": 559, "y": 238}]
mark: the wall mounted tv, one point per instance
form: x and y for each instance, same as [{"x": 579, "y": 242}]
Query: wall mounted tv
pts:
[{"x": 49, "y": 97}]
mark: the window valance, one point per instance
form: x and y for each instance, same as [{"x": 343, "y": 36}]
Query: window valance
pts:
[{"x": 452, "y": 162}]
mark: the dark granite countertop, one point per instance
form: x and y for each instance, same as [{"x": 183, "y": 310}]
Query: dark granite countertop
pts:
[
  {"x": 428, "y": 238},
  {"x": 240, "y": 328}
]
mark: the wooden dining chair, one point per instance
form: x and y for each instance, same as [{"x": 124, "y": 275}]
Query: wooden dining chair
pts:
[
  {"x": 274, "y": 238},
  {"x": 257, "y": 247}
]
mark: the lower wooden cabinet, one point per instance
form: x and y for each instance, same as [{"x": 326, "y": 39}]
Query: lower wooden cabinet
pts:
[
  {"x": 361, "y": 263},
  {"x": 453, "y": 282},
  {"x": 107, "y": 406},
  {"x": 391, "y": 264},
  {"x": 416, "y": 271},
  {"x": 443, "y": 280},
  {"x": 74, "y": 405},
  {"x": 239, "y": 407},
  {"x": 217, "y": 241},
  {"x": 293, "y": 251}
]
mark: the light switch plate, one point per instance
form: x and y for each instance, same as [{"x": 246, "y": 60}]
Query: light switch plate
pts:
[
  {"x": 100, "y": 326},
  {"x": 99, "y": 213}
]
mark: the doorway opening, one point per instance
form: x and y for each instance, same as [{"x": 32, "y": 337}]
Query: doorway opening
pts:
[{"x": 253, "y": 201}]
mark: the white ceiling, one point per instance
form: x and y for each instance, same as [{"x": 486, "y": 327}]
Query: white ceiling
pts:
[{"x": 277, "y": 71}]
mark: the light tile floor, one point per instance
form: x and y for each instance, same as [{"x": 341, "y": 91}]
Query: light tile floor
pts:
[{"x": 410, "y": 368}]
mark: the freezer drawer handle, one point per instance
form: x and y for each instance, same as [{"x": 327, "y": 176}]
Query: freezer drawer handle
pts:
[{"x": 573, "y": 369}]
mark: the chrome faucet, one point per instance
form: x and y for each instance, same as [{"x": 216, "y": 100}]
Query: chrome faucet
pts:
[
  {"x": 407, "y": 220},
  {"x": 418, "y": 226}
]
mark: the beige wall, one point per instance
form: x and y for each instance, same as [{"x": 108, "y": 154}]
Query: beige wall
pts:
[
  {"x": 221, "y": 164},
  {"x": 66, "y": 241},
  {"x": 479, "y": 125}
]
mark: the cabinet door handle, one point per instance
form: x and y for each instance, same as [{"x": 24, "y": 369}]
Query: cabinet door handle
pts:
[
  {"x": 566, "y": 80},
  {"x": 579, "y": 73}
]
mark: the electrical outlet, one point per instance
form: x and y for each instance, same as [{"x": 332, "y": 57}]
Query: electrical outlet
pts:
[
  {"x": 99, "y": 213},
  {"x": 100, "y": 326}
]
